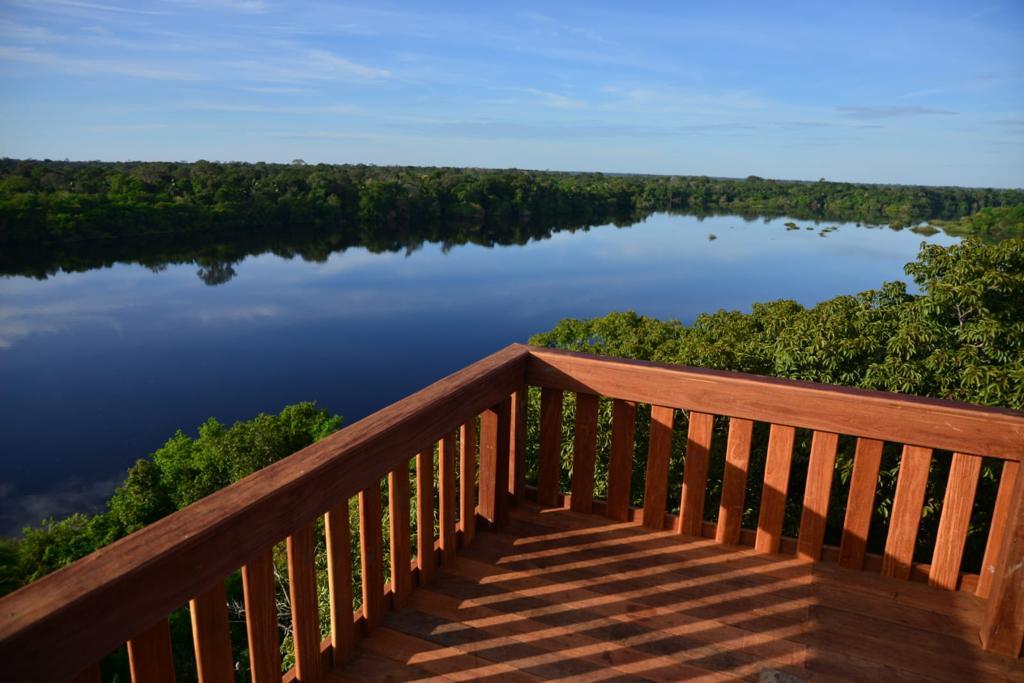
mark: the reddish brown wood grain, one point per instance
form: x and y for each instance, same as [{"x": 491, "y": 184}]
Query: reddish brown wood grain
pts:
[
  {"x": 517, "y": 457},
  {"x": 695, "y": 473},
  {"x": 550, "y": 466},
  {"x": 183, "y": 554},
  {"x": 620, "y": 463},
  {"x": 400, "y": 534},
  {"x": 906, "y": 511},
  {"x": 211, "y": 637},
  {"x": 997, "y": 529},
  {"x": 339, "y": 583},
  {"x": 426, "y": 560},
  {"x": 584, "y": 453},
  {"x": 955, "y": 521},
  {"x": 659, "y": 451},
  {"x": 467, "y": 477},
  {"x": 149, "y": 655},
  {"x": 371, "y": 544},
  {"x": 1002, "y": 630},
  {"x": 776, "y": 485},
  {"x": 734, "y": 481},
  {"x": 814, "y": 515},
  {"x": 881, "y": 415},
  {"x": 495, "y": 428},
  {"x": 860, "y": 503},
  {"x": 305, "y": 608},
  {"x": 259, "y": 594},
  {"x": 173, "y": 559},
  {"x": 446, "y": 498}
]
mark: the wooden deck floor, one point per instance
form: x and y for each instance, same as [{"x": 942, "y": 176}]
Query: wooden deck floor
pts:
[{"x": 560, "y": 595}]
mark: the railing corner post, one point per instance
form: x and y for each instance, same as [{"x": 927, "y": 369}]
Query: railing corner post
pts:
[
  {"x": 495, "y": 439},
  {"x": 1002, "y": 630}
]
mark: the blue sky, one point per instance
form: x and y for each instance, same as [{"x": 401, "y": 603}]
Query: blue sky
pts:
[{"x": 929, "y": 92}]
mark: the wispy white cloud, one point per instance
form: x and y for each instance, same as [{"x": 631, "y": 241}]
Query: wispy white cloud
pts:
[
  {"x": 273, "y": 89},
  {"x": 94, "y": 67},
  {"x": 303, "y": 67},
  {"x": 662, "y": 100},
  {"x": 555, "y": 27},
  {"x": 327, "y": 65},
  {"x": 73, "y": 6},
  {"x": 892, "y": 112},
  {"x": 556, "y": 100},
  {"x": 14, "y": 32},
  {"x": 238, "y": 6},
  {"x": 268, "y": 108}
]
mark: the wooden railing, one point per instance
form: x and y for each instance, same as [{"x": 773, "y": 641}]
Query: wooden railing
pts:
[{"x": 61, "y": 626}]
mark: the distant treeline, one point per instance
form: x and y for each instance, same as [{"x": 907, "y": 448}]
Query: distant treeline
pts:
[{"x": 47, "y": 202}]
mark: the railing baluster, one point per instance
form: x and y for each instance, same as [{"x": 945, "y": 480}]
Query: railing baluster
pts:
[
  {"x": 860, "y": 503},
  {"x": 258, "y": 591},
  {"x": 211, "y": 636},
  {"x": 1002, "y": 630},
  {"x": 446, "y": 498},
  {"x": 425, "y": 558},
  {"x": 907, "y": 504},
  {"x": 695, "y": 473},
  {"x": 584, "y": 453},
  {"x": 814, "y": 516},
  {"x": 400, "y": 533},
  {"x": 620, "y": 464},
  {"x": 339, "y": 582},
  {"x": 517, "y": 461},
  {"x": 997, "y": 529},
  {"x": 467, "y": 475},
  {"x": 776, "y": 485},
  {"x": 495, "y": 428},
  {"x": 149, "y": 655},
  {"x": 550, "y": 466},
  {"x": 656, "y": 478},
  {"x": 957, "y": 506},
  {"x": 734, "y": 481},
  {"x": 301, "y": 547},
  {"x": 371, "y": 544}
]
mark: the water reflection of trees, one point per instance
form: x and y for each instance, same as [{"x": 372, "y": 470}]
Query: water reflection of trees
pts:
[{"x": 217, "y": 254}]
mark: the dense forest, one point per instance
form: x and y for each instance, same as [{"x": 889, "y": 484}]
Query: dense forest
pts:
[
  {"x": 46, "y": 202},
  {"x": 960, "y": 338}
]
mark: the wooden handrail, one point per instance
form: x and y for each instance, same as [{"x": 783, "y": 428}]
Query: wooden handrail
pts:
[
  {"x": 125, "y": 591},
  {"x": 921, "y": 425},
  {"x": 912, "y": 420},
  {"x": 87, "y": 609}
]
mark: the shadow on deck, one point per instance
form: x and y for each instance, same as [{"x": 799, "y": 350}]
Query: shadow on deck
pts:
[
  {"x": 509, "y": 589},
  {"x": 561, "y": 595}
]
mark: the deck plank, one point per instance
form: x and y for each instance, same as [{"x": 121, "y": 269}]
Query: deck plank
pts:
[{"x": 563, "y": 595}]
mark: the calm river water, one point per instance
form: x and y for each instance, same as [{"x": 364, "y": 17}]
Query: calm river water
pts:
[{"x": 99, "y": 368}]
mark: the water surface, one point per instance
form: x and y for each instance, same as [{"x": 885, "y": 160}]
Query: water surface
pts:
[{"x": 98, "y": 368}]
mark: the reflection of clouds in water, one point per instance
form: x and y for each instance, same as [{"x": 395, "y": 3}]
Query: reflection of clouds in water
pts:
[
  {"x": 71, "y": 495},
  {"x": 605, "y": 262},
  {"x": 353, "y": 259},
  {"x": 19, "y": 322},
  {"x": 236, "y": 314},
  {"x": 12, "y": 330}
]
